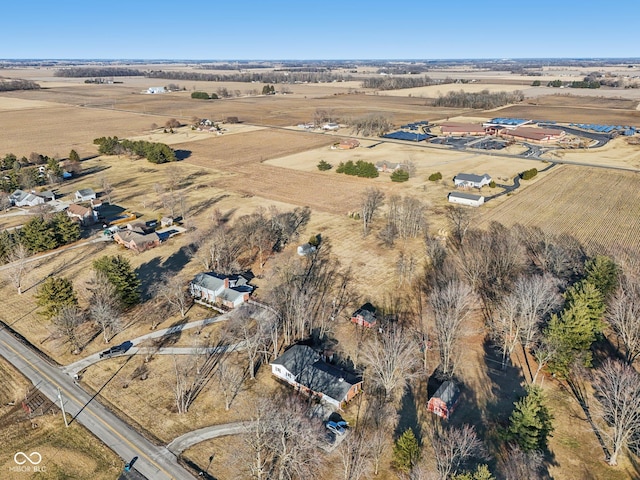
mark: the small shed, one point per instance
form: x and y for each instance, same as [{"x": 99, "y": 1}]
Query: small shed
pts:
[
  {"x": 166, "y": 222},
  {"x": 365, "y": 316},
  {"x": 85, "y": 194},
  {"x": 445, "y": 400}
]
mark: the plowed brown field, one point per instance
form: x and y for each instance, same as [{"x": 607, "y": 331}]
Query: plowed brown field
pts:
[{"x": 600, "y": 208}]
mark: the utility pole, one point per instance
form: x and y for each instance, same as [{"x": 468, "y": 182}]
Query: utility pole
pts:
[{"x": 64, "y": 415}]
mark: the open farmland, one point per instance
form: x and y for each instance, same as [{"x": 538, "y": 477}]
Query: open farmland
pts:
[{"x": 600, "y": 208}]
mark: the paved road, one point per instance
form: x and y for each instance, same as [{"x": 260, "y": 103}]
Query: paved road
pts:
[
  {"x": 180, "y": 444},
  {"x": 156, "y": 463}
]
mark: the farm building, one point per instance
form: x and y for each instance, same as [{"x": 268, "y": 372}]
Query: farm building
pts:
[
  {"x": 85, "y": 194},
  {"x": 153, "y": 90},
  {"x": 330, "y": 126},
  {"x": 20, "y": 198},
  {"x": 136, "y": 241},
  {"x": 445, "y": 400},
  {"x": 471, "y": 180},
  {"x": 533, "y": 134},
  {"x": 81, "y": 214},
  {"x": 466, "y": 199},
  {"x": 454, "y": 128},
  {"x": 216, "y": 289},
  {"x": 303, "y": 368},
  {"x": 365, "y": 316},
  {"x": 166, "y": 222}
]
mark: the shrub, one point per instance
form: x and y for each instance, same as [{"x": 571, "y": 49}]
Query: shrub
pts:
[
  {"x": 529, "y": 174},
  {"x": 324, "y": 166},
  {"x": 400, "y": 176},
  {"x": 214, "y": 96},
  {"x": 492, "y": 184},
  {"x": 435, "y": 177},
  {"x": 536, "y": 83},
  {"x": 358, "y": 169},
  {"x": 200, "y": 95}
]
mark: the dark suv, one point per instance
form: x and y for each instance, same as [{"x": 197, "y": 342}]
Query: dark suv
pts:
[{"x": 116, "y": 349}]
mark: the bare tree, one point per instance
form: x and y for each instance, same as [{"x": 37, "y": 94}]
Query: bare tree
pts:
[
  {"x": 406, "y": 216},
  {"x": 250, "y": 333},
  {"x": 16, "y": 269},
  {"x": 104, "y": 308},
  {"x": 106, "y": 186},
  {"x": 230, "y": 378},
  {"x": 171, "y": 289},
  {"x": 189, "y": 374},
  {"x": 66, "y": 324},
  {"x": 517, "y": 464},
  {"x": 283, "y": 440},
  {"x": 451, "y": 305},
  {"x": 371, "y": 202},
  {"x": 623, "y": 315},
  {"x": 617, "y": 387},
  {"x": 379, "y": 419},
  {"x": 459, "y": 219},
  {"x": 355, "y": 455},
  {"x": 391, "y": 359},
  {"x": 452, "y": 446}
]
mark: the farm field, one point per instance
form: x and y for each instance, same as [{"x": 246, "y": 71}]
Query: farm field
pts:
[
  {"x": 266, "y": 161},
  {"x": 599, "y": 208}
]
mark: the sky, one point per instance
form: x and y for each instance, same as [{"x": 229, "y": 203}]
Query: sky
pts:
[{"x": 319, "y": 29}]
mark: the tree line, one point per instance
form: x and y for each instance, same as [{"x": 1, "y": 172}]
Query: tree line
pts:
[
  {"x": 7, "y": 85},
  {"x": 154, "y": 152},
  {"x": 81, "y": 72},
  {"x": 480, "y": 100}
]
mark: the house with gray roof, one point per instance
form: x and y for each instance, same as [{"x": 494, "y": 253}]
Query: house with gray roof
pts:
[
  {"x": 471, "y": 180},
  {"x": 20, "y": 198},
  {"x": 213, "y": 288},
  {"x": 304, "y": 369},
  {"x": 85, "y": 194}
]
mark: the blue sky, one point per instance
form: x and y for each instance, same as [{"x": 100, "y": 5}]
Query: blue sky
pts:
[{"x": 319, "y": 29}]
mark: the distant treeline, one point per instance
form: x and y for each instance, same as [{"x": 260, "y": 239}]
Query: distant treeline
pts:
[
  {"x": 233, "y": 66},
  {"x": 481, "y": 100},
  {"x": 247, "y": 77},
  {"x": 394, "y": 83},
  {"x": 17, "y": 84},
  {"x": 82, "y": 72}
]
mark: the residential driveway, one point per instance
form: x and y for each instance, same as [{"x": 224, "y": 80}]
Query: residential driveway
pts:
[{"x": 180, "y": 444}]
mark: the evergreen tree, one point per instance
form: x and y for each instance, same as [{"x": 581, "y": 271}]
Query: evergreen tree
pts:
[
  {"x": 482, "y": 472},
  {"x": 400, "y": 176},
  {"x": 530, "y": 421},
  {"x": 602, "y": 272},
  {"x": 38, "y": 235},
  {"x": 118, "y": 271},
  {"x": 53, "y": 294},
  {"x": 406, "y": 451},
  {"x": 74, "y": 157},
  {"x": 66, "y": 230}
]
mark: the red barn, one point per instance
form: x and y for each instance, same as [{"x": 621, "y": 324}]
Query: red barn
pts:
[
  {"x": 365, "y": 316},
  {"x": 444, "y": 401}
]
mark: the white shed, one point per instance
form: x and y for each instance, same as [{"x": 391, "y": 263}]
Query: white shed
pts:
[{"x": 466, "y": 199}]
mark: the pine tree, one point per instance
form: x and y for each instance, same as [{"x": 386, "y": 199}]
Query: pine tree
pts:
[
  {"x": 406, "y": 451},
  {"x": 530, "y": 421},
  {"x": 38, "y": 235},
  {"x": 53, "y": 294},
  {"x": 118, "y": 271},
  {"x": 603, "y": 273},
  {"x": 67, "y": 231}
]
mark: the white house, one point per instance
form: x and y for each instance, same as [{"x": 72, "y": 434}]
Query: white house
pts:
[
  {"x": 466, "y": 199},
  {"x": 468, "y": 180},
  {"x": 331, "y": 126},
  {"x": 303, "y": 368},
  {"x": 85, "y": 194},
  {"x": 20, "y": 198},
  {"x": 156, "y": 90},
  {"x": 214, "y": 288}
]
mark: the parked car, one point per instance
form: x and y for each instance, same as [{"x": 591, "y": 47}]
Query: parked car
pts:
[
  {"x": 335, "y": 428},
  {"x": 116, "y": 349}
]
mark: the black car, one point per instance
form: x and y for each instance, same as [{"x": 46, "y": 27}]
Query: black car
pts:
[{"x": 116, "y": 349}]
